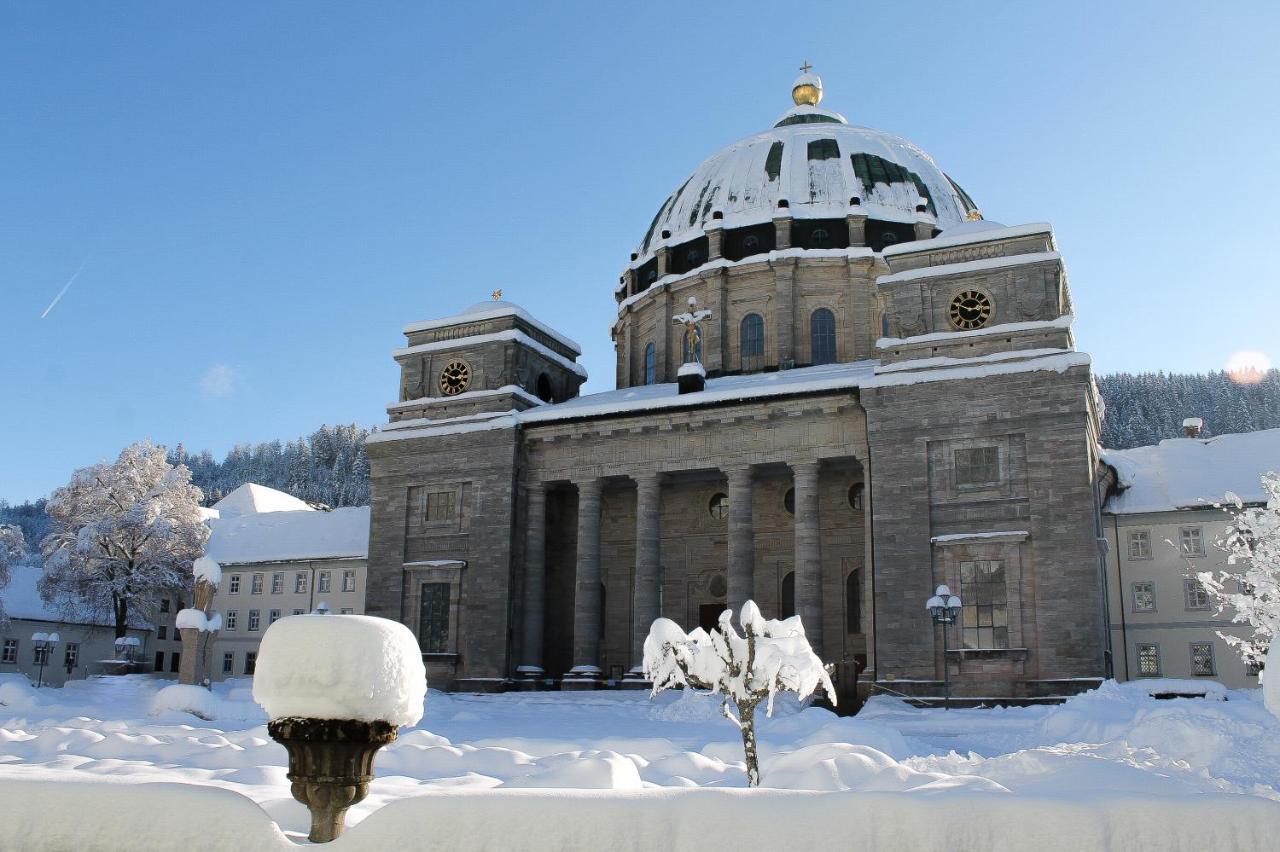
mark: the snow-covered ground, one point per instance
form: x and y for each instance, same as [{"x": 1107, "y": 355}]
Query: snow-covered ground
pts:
[{"x": 1112, "y": 769}]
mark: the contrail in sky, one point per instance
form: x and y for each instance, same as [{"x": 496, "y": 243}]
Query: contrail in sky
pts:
[{"x": 65, "y": 288}]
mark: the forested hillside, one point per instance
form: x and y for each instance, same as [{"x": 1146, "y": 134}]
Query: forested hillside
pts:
[{"x": 1145, "y": 408}]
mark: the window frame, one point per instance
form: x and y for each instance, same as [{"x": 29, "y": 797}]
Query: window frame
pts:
[
  {"x": 1212, "y": 660},
  {"x": 277, "y": 582},
  {"x": 446, "y": 506},
  {"x": 255, "y": 583},
  {"x": 1141, "y": 538},
  {"x": 969, "y": 468},
  {"x": 348, "y": 574},
  {"x": 1198, "y": 537},
  {"x": 1192, "y": 585},
  {"x": 976, "y": 605},
  {"x": 324, "y": 582},
  {"x": 250, "y": 662},
  {"x": 437, "y": 641},
  {"x": 71, "y": 655},
  {"x": 233, "y": 584},
  {"x": 228, "y": 662},
  {"x": 1154, "y": 648},
  {"x": 9, "y": 652},
  {"x": 1133, "y": 596},
  {"x": 827, "y": 334},
  {"x": 254, "y": 623},
  {"x": 229, "y": 620},
  {"x": 751, "y": 341},
  {"x": 651, "y": 363},
  {"x": 273, "y": 616},
  {"x": 300, "y": 582}
]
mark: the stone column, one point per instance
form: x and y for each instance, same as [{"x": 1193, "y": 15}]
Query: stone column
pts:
[
  {"x": 648, "y": 565},
  {"x": 535, "y": 579},
  {"x": 586, "y": 600},
  {"x": 808, "y": 552},
  {"x": 784, "y": 287},
  {"x": 742, "y": 542}
]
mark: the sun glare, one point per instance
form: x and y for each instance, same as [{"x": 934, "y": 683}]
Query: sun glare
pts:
[{"x": 1248, "y": 367}]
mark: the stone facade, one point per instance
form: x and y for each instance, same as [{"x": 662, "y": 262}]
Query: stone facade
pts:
[{"x": 936, "y": 426}]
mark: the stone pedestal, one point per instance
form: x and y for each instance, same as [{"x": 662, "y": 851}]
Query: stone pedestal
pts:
[
  {"x": 582, "y": 678},
  {"x": 330, "y": 765},
  {"x": 691, "y": 378}
]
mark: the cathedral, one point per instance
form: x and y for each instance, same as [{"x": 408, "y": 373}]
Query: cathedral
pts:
[{"x": 837, "y": 387}]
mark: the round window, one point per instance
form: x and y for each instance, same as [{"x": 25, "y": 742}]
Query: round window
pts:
[
  {"x": 789, "y": 501},
  {"x": 719, "y": 506},
  {"x": 718, "y": 586},
  {"x": 455, "y": 377},
  {"x": 750, "y": 242},
  {"x": 970, "y": 309}
]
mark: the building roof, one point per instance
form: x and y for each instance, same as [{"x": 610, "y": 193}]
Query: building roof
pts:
[
  {"x": 276, "y": 536},
  {"x": 494, "y": 309},
  {"x": 251, "y": 499},
  {"x": 817, "y": 162},
  {"x": 22, "y": 600},
  {"x": 1185, "y": 473}
]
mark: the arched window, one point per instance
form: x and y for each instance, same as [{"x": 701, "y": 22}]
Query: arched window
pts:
[
  {"x": 544, "y": 387},
  {"x": 751, "y": 343},
  {"x": 684, "y": 349},
  {"x": 819, "y": 238},
  {"x": 650, "y": 364},
  {"x": 853, "y": 602},
  {"x": 822, "y": 336},
  {"x": 787, "y": 606},
  {"x": 750, "y": 243}
]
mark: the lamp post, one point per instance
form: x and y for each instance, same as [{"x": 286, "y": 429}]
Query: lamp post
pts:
[
  {"x": 44, "y": 643},
  {"x": 945, "y": 608}
]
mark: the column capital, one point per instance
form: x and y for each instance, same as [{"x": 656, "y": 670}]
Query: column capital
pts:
[
  {"x": 739, "y": 473},
  {"x": 804, "y": 469},
  {"x": 589, "y": 485}
]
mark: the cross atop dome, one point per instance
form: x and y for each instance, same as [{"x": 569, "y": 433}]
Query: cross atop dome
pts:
[{"x": 807, "y": 89}]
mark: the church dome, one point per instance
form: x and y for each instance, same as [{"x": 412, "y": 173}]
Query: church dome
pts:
[{"x": 812, "y": 164}]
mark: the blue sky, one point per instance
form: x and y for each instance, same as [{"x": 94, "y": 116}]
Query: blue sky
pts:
[{"x": 260, "y": 195}]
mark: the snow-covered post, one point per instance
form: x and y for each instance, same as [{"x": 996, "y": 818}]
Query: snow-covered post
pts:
[
  {"x": 773, "y": 656},
  {"x": 336, "y": 688},
  {"x": 196, "y": 624}
]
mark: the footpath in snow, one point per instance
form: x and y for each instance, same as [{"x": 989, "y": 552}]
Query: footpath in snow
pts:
[{"x": 1114, "y": 769}]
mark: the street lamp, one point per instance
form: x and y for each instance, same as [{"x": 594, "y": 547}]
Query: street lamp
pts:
[
  {"x": 44, "y": 643},
  {"x": 945, "y": 608}
]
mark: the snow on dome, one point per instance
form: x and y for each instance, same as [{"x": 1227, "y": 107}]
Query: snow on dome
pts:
[
  {"x": 1180, "y": 473},
  {"x": 817, "y": 162},
  {"x": 340, "y": 667},
  {"x": 252, "y": 499},
  {"x": 972, "y": 226}
]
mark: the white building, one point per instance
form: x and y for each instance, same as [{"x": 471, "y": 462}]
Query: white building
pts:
[
  {"x": 280, "y": 557},
  {"x": 85, "y": 646},
  {"x": 1161, "y": 527}
]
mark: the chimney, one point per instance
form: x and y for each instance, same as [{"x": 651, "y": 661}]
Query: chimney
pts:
[{"x": 1191, "y": 427}]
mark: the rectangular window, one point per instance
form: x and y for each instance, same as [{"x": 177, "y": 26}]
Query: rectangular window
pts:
[
  {"x": 273, "y": 617},
  {"x": 1140, "y": 544},
  {"x": 1202, "y": 659},
  {"x": 229, "y": 623},
  {"x": 433, "y": 623},
  {"x": 440, "y": 506},
  {"x": 277, "y": 584},
  {"x": 255, "y": 619},
  {"x": 159, "y": 663},
  {"x": 346, "y": 610},
  {"x": 1197, "y": 594},
  {"x": 250, "y": 661},
  {"x": 174, "y": 661},
  {"x": 40, "y": 653},
  {"x": 300, "y": 583},
  {"x": 256, "y": 588},
  {"x": 1144, "y": 597},
  {"x": 298, "y": 611},
  {"x": 233, "y": 585},
  {"x": 162, "y": 632},
  {"x": 164, "y": 604},
  {"x": 72, "y": 657},
  {"x": 228, "y": 662},
  {"x": 10, "y": 651},
  {"x": 348, "y": 581},
  {"x": 1192, "y": 544},
  {"x": 1149, "y": 660},
  {"x": 322, "y": 583},
  {"x": 977, "y": 466},
  {"x": 985, "y": 596}
]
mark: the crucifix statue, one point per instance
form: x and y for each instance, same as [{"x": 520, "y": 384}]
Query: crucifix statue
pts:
[{"x": 692, "y": 322}]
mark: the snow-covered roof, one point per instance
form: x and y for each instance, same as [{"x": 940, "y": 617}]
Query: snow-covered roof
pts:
[
  {"x": 281, "y": 536},
  {"x": 1181, "y": 473},
  {"x": 252, "y": 499},
  {"x": 494, "y": 309},
  {"x": 22, "y": 600},
  {"x": 966, "y": 233},
  {"x": 725, "y": 389},
  {"x": 816, "y": 161}
]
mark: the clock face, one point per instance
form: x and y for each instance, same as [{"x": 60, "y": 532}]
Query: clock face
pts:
[
  {"x": 970, "y": 309},
  {"x": 455, "y": 378}
]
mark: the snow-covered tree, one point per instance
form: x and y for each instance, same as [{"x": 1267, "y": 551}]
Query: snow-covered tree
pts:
[
  {"x": 13, "y": 546},
  {"x": 1250, "y": 588},
  {"x": 125, "y": 535},
  {"x": 771, "y": 657}
]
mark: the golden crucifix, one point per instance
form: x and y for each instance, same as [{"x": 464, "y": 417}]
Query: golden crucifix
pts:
[
  {"x": 497, "y": 295},
  {"x": 692, "y": 322},
  {"x": 806, "y": 67}
]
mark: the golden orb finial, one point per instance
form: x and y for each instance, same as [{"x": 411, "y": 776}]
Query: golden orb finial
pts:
[{"x": 807, "y": 88}]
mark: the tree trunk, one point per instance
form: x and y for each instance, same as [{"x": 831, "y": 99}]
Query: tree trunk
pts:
[
  {"x": 747, "y": 724},
  {"x": 122, "y": 617}
]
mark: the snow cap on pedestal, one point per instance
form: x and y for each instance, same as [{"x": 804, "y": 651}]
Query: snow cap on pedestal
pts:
[
  {"x": 208, "y": 570},
  {"x": 340, "y": 667}
]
